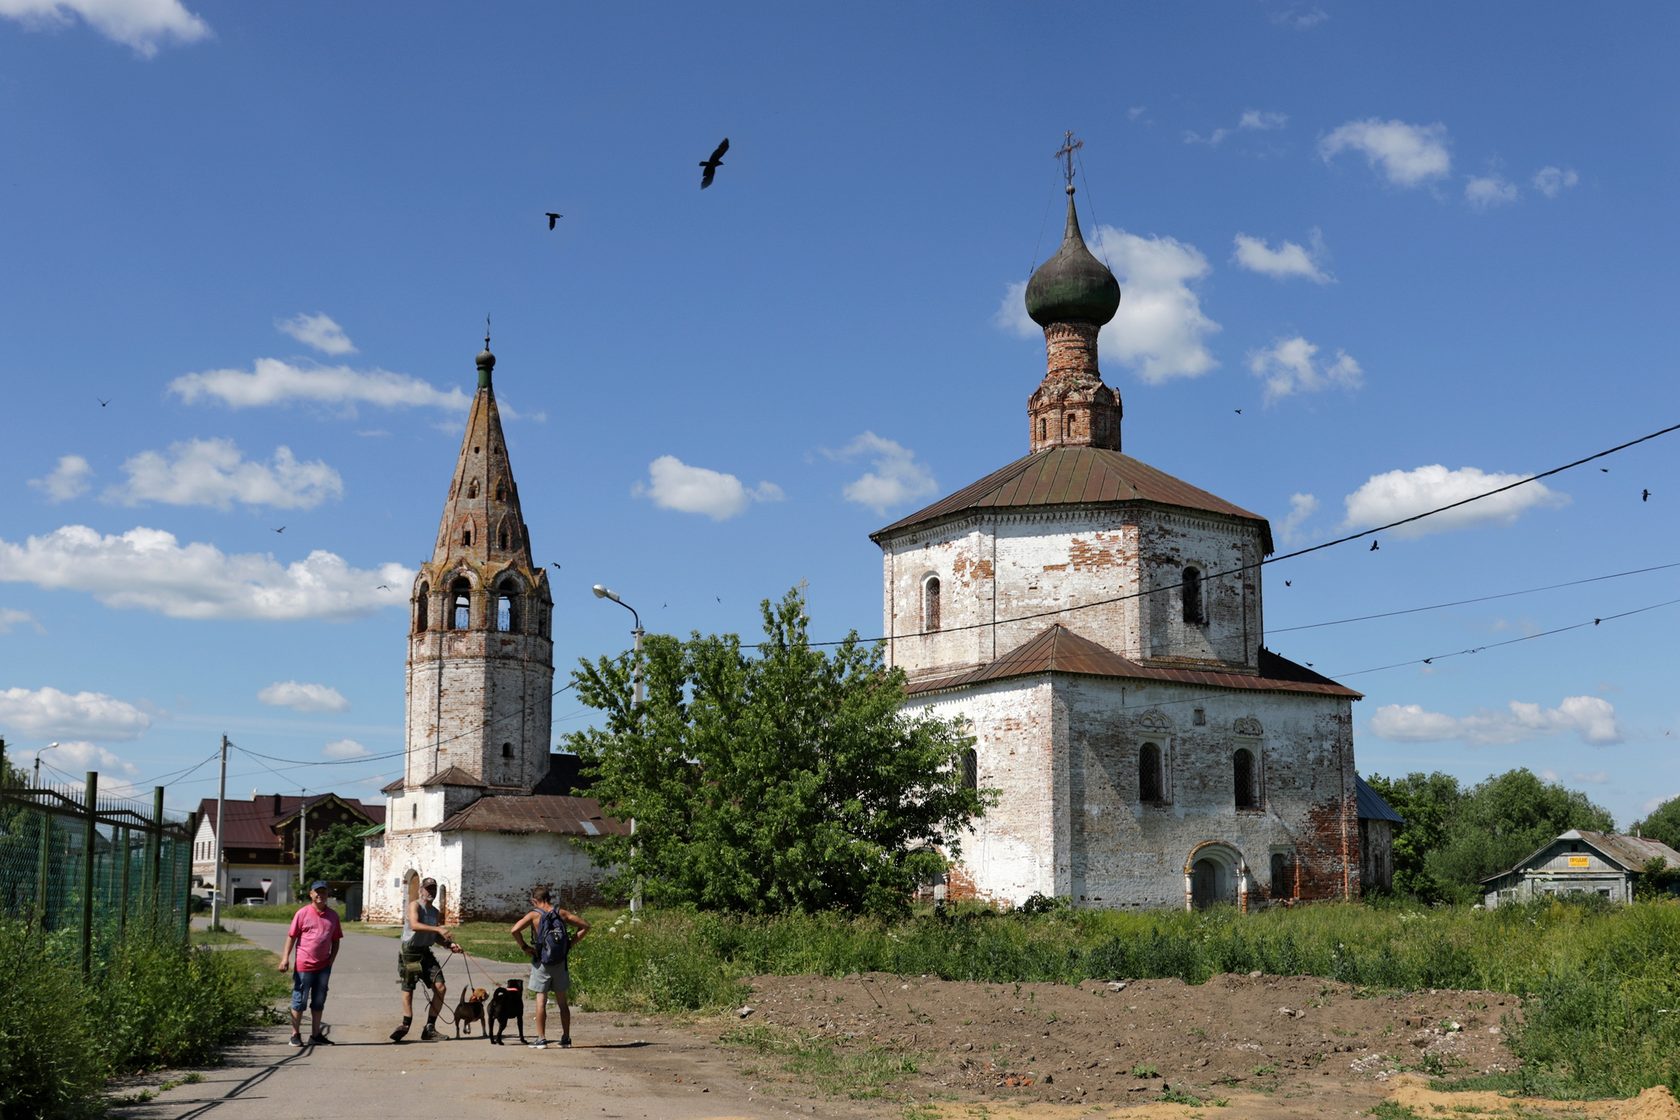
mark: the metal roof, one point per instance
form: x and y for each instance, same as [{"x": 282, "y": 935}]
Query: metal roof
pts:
[
  {"x": 1057, "y": 649},
  {"x": 534, "y": 813},
  {"x": 1075, "y": 476},
  {"x": 1372, "y": 807},
  {"x": 251, "y": 823},
  {"x": 1630, "y": 853}
]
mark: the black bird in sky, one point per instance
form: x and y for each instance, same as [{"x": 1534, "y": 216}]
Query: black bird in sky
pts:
[
  {"x": 708, "y": 168},
  {"x": 553, "y": 217},
  {"x": 102, "y": 401},
  {"x": 1373, "y": 546},
  {"x": 556, "y": 564},
  {"x": 1644, "y": 495},
  {"x": 1429, "y": 661},
  {"x": 282, "y": 529},
  {"x": 382, "y": 587},
  {"x": 1238, "y": 411},
  {"x": 1288, "y": 582}
]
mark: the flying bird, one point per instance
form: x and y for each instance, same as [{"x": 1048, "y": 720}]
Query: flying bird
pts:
[
  {"x": 102, "y": 401},
  {"x": 556, "y": 564},
  {"x": 708, "y": 168},
  {"x": 282, "y": 529},
  {"x": 1288, "y": 583},
  {"x": 1644, "y": 495},
  {"x": 1373, "y": 546},
  {"x": 1238, "y": 411},
  {"x": 553, "y": 217},
  {"x": 1429, "y": 661},
  {"x": 1603, "y": 470},
  {"x": 382, "y": 587}
]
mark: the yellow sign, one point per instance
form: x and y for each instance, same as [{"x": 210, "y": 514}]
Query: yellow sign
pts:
[{"x": 1579, "y": 861}]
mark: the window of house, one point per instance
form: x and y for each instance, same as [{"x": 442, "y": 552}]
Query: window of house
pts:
[
  {"x": 970, "y": 770},
  {"x": 1149, "y": 773},
  {"x": 1191, "y": 589},
  {"x": 930, "y": 604},
  {"x": 1242, "y": 773},
  {"x": 460, "y": 605},
  {"x": 420, "y": 601}
]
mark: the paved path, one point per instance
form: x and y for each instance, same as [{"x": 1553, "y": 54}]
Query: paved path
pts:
[{"x": 620, "y": 1066}]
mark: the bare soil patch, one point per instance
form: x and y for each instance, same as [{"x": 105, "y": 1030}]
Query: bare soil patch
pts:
[{"x": 1251, "y": 1046}]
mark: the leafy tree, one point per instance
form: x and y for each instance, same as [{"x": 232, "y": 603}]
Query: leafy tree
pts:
[
  {"x": 1427, "y": 802},
  {"x": 1656, "y": 880},
  {"x": 772, "y": 779},
  {"x": 335, "y": 854},
  {"x": 1663, "y": 824},
  {"x": 1502, "y": 820}
]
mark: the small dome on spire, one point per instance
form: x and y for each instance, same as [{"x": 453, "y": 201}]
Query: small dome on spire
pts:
[
  {"x": 1073, "y": 286},
  {"x": 486, "y": 360}
]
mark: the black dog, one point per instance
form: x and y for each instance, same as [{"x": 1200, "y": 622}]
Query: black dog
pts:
[{"x": 504, "y": 1004}]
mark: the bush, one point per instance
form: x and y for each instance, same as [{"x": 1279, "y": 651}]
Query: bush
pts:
[{"x": 50, "y": 1063}]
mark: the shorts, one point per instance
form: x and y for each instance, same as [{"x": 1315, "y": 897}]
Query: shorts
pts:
[
  {"x": 548, "y": 979},
  {"x": 418, "y": 966},
  {"x": 310, "y": 989}
]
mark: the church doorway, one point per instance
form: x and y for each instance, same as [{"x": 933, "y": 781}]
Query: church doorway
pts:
[{"x": 1214, "y": 874}]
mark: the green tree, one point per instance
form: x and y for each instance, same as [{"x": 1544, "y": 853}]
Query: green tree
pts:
[
  {"x": 334, "y": 855},
  {"x": 1427, "y": 802},
  {"x": 1502, "y": 820},
  {"x": 775, "y": 778},
  {"x": 1663, "y": 824}
]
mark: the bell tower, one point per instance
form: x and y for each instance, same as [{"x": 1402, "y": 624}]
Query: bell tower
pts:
[{"x": 480, "y": 651}]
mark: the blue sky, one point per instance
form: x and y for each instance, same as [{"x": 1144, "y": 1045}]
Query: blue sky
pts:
[{"x": 1425, "y": 252}]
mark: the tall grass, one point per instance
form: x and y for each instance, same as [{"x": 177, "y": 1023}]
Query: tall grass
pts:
[
  {"x": 1601, "y": 984},
  {"x": 149, "y": 1001}
]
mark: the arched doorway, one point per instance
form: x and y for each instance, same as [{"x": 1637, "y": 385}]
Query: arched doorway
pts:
[{"x": 1213, "y": 875}]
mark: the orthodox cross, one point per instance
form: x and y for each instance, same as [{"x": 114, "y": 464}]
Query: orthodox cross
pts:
[
  {"x": 1069, "y": 146},
  {"x": 487, "y": 332}
]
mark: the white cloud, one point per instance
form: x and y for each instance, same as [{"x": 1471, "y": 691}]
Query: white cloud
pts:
[
  {"x": 47, "y": 713},
  {"x": 673, "y": 484},
  {"x": 1553, "y": 181},
  {"x": 1591, "y": 778},
  {"x": 1487, "y": 191},
  {"x": 1590, "y": 718},
  {"x": 77, "y": 756},
  {"x": 894, "y": 477},
  {"x": 318, "y": 331},
  {"x": 1385, "y": 498},
  {"x": 68, "y": 480},
  {"x": 10, "y": 618},
  {"x": 1301, "y": 507},
  {"x": 274, "y": 382},
  {"x": 1252, "y": 120},
  {"x": 148, "y": 569},
  {"x": 302, "y": 697},
  {"x": 344, "y": 748},
  {"x": 1407, "y": 154},
  {"x": 1286, "y": 261},
  {"x": 1288, "y": 367},
  {"x": 1301, "y": 17},
  {"x": 212, "y": 472},
  {"x": 141, "y": 24}
]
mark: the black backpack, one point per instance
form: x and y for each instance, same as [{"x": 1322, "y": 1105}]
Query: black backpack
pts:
[{"x": 554, "y": 938}]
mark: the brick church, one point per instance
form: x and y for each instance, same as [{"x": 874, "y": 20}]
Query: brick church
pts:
[
  {"x": 482, "y": 806},
  {"x": 1099, "y": 624}
]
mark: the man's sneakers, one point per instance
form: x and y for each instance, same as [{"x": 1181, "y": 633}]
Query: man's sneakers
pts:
[
  {"x": 538, "y": 1044},
  {"x": 397, "y": 1035},
  {"x": 297, "y": 1039},
  {"x": 565, "y": 1042},
  {"x": 429, "y": 1034}
]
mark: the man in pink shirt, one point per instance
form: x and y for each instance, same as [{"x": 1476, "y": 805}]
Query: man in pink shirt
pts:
[{"x": 315, "y": 934}]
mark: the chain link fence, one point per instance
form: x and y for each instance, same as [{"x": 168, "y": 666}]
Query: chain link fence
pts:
[{"x": 82, "y": 864}]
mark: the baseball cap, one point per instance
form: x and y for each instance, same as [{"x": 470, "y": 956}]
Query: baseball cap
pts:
[{"x": 319, "y": 885}]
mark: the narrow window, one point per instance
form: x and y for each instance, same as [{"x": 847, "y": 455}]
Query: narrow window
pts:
[
  {"x": 466, "y": 535},
  {"x": 502, "y": 538},
  {"x": 507, "y": 612},
  {"x": 1199, "y": 717},
  {"x": 501, "y": 491},
  {"x": 1067, "y": 425},
  {"x": 472, "y": 488},
  {"x": 1041, "y": 428},
  {"x": 1280, "y": 876},
  {"x": 971, "y": 770},
  {"x": 460, "y": 605},
  {"x": 1242, "y": 772},
  {"x": 507, "y": 750},
  {"x": 420, "y": 602},
  {"x": 1191, "y": 589},
  {"x": 930, "y": 605},
  {"x": 414, "y": 812},
  {"x": 1149, "y": 773}
]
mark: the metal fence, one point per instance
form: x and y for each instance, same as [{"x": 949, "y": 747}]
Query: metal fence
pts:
[{"x": 75, "y": 860}]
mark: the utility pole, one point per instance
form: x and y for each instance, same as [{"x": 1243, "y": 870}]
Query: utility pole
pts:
[
  {"x": 303, "y": 839},
  {"x": 216, "y": 871}
]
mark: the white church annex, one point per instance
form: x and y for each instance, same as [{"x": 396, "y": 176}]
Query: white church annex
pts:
[
  {"x": 1099, "y": 625},
  {"x": 481, "y": 806}
]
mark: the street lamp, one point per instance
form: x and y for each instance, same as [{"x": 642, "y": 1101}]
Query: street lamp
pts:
[
  {"x": 38, "y": 754},
  {"x": 601, "y": 592}
]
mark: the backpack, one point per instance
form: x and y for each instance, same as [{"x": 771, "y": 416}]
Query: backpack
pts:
[{"x": 554, "y": 938}]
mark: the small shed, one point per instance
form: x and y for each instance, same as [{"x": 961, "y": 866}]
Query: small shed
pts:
[
  {"x": 1377, "y": 824},
  {"x": 1579, "y": 862}
]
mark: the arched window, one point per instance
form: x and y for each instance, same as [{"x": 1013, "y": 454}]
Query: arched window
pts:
[
  {"x": 507, "y": 611},
  {"x": 460, "y": 604},
  {"x": 970, "y": 770},
  {"x": 1242, "y": 773},
  {"x": 930, "y": 604},
  {"x": 1191, "y": 589},
  {"x": 502, "y": 538},
  {"x": 1149, "y": 773},
  {"x": 1281, "y": 886},
  {"x": 420, "y": 605},
  {"x": 466, "y": 535},
  {"x": 1041, "y": 429}
]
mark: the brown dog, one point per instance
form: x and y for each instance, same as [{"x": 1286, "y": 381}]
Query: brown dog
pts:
[
  {"x": 504, "y": 1004},
  {"x": 470, "y": 1010}
]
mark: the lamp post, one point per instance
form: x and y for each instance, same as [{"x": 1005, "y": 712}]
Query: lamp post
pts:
[
  {"x": 38, "y": 754},
  {"x": 601, "y": 592}
]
